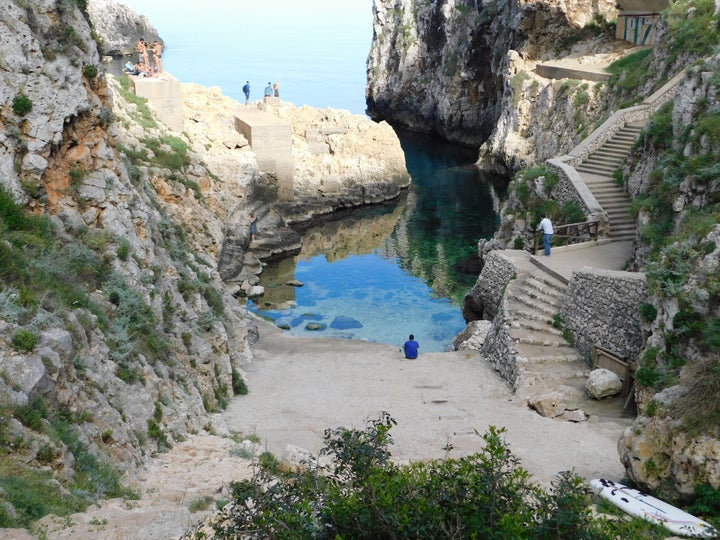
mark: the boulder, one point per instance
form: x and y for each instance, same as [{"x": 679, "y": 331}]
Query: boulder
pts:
[
  {"x": 344, "y": 323},
  {"x": 549, "y": 405},
  {"x": 603, "y": 383}
]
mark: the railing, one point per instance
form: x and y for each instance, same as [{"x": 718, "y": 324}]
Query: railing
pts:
[{"x": 570, "y": 233}]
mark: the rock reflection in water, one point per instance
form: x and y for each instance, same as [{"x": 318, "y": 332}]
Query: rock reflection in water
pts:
[
  {"x": 382, "y": 273},
  {"x": 354, "y": 286}
]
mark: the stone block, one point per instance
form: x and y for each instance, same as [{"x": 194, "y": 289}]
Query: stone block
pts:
[{"x": 163, "y": 95}]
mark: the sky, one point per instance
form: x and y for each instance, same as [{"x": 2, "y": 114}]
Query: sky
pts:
[{"x": 311, "y": 47}]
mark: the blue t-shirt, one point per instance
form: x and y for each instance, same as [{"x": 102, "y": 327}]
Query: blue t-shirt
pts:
[{"x": 411, "y": 348}]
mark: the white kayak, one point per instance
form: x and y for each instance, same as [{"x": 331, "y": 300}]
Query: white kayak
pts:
[{"x": 639, "y": 504}]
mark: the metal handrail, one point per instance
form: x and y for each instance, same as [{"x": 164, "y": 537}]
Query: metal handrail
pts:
[{"x": 570, "y": 233}]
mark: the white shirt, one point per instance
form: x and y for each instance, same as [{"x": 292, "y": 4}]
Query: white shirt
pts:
[{"x": 546, "y": 226}]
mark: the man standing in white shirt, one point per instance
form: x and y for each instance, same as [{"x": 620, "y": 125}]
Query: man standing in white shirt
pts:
[{"x": 547, "y": 229}]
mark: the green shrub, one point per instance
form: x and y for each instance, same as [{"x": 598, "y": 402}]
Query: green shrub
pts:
[
  {"x": 90, "y": 71},
  {"x": 123, "y": 250},
  {"x": 175, "y": 158},
  {"x": 364, "y": 494},
  {"x": 696, "y": 35},
  {"x": 648, "y": 376},
  {"x": 24, "y": 340},
  {"x": 658, "y": 133},
  {"x": 630, "y": 71},
  {"x": 571, "y": 212},
  {"x": 648, "y": 312},
  {"x": 21, "y": 104},
  {"x": 711, "y": 335},
  {"x": 699, "y": 407},
  {"x": 238, "y": 383},
  {"x": 201, "y": 504}
]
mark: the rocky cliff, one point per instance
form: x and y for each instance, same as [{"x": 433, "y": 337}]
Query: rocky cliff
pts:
[
  {"x": 118, "y": 336},
  {"x": 118, "y": 28},
  {"x": 671, "y": 176},
  {"x": 461, "y": 69}
]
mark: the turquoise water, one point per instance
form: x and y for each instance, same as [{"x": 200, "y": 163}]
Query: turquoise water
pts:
[{"x": 383, "y": 272}]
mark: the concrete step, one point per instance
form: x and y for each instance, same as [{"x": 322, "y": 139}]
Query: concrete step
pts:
[
  {"x": 610, "y": 152},
  {"x": 539, "y": 339},
  {"x": 521, "y": 305},
  {"x": 597, "y": 169},
  {"x": 541, "y": 293},
  {"x": 620, "y": 145},
  {"x": 531, "y": 354},
  {"x": 537, "y": 325}
]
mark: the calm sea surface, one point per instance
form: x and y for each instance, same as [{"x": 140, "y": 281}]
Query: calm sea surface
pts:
[
  {"x": 316, "y": 49},
  {"x": 377, "y": 274}
]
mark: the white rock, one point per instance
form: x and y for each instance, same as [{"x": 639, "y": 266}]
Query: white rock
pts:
[{"x": 603, "y": 383}]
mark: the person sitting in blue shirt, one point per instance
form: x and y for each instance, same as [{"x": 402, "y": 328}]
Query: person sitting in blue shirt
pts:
[{"x": 411, "y": 348}]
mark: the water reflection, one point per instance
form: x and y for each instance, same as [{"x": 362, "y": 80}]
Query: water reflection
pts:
[{"x": 384, "y": 272}]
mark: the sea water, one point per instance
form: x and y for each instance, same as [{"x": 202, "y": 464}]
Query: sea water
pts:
[
  {"x": 315, "y": 49},
  {"x": 377, "y": 274}
]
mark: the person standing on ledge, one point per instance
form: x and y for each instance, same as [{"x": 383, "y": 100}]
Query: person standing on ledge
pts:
[
  {"x": 268, "y": 90},
  {"x": 411, "y": 348},
  {"x": 157, "y": 56},
  {"x": 253, "y": 227},
  {"x": 246, "y": 91},
  {"x": 547, "y": 229},
  {"x": 276, "y": 89}
]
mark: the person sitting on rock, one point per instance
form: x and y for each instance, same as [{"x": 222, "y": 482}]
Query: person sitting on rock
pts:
[{"x": 130, "y": 69}]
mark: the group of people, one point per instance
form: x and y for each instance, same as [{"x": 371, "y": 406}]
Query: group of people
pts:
[
  {"x": 271, "y": 90},
  {"x": 143, "y": 67}
]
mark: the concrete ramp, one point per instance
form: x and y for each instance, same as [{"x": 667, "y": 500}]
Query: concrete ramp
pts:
[{"x": 271, "y": 140}]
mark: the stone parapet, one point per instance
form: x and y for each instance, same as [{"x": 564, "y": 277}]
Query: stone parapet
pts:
[
  {"x": 498, "y": 348},
  {"x": 603, "y": 307}
]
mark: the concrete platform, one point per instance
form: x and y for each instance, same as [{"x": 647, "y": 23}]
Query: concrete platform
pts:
[
  {"x": 568, "y": 69},
  {"x": 563, "y": 261}
]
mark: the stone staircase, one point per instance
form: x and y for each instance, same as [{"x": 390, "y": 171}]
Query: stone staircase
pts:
[
  {"x": 597, "y": 171},
  {"x": 543, "y": 357}
]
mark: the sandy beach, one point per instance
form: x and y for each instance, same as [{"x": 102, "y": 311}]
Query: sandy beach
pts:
[{"x": 301, "y": 386}]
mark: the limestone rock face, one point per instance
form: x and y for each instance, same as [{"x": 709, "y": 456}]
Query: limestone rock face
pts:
[
  {"x": 336, "y": 152},
  {"x": 54, "y": 85},
  {"x": 448, "y": 68},
  {"x": 119, "y": 27}
]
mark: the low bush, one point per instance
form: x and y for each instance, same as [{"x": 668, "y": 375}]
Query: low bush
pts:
[
  {"x": 363, "y": 494},
  {"x": 24, "y": 340},
  {"x": 90, "y": 71},
  {"x": 21, "y": 104},
  {"x": 238, "y": 383},
  {"x": 648, "y": 312}
]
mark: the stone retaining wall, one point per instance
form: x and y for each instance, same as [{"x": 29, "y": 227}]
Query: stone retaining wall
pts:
[
  {"x": 603, "y": 307},
  {"x": 498, "y": 350},
  {"x": 488, "y": 291},
  {"x": 497, "y": 276}
]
